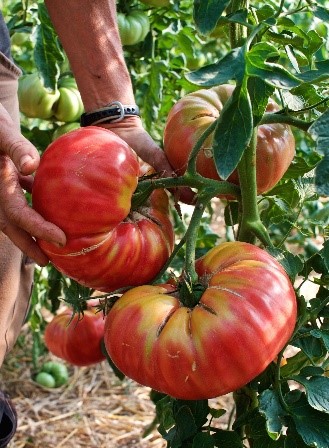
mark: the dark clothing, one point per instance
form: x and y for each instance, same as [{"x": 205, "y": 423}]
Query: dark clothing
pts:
[
  {"x": 8, "y": 420},
  {"x": 4, "y": 37}
]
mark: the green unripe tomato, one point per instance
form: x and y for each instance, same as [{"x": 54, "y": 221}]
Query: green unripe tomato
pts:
[
  {"x": 158, "y": 3},
  {"x": 46, "y": 380},
  {"x": 64, "y": 129},
  {"x": 35, "y": 101},
  {"x": 19, "y": 38},
  {"x": 133, "y": 27},
  {"x": 58, "y": 371},
  {"x": 69, "y": 106}
]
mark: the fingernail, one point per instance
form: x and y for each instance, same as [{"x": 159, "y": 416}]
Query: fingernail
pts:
[{"x": 25, "y": 160}]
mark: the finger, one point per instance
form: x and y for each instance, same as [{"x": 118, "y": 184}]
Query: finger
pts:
[
  {"x": 26, "y": 244},
  {"x": 12, "y": 143},
  {"x": 17, "y": 212},
  {"x": 26, "y": 182}
]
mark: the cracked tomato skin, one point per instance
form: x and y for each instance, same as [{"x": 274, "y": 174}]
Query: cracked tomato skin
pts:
[
  {"x": 84, "y": 184},
  {"x": 245, "y": 316},
  {"x": 77, "y": 341},
  {"x": 195, "y": 112}
]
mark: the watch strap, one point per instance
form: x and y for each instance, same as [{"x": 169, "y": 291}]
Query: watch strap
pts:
[{"x": 113, "y": 112}]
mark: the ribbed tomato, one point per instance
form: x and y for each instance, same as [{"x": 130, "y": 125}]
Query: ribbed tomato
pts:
[
  {"x": 84, "y": 184},
  {"x": 193, "y": 114},
  {"x": 79, "y": 341},
  {"x": 245, "y": 316}
]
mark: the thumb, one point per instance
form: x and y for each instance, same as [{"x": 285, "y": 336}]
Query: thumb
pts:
[{"x": 12, "y": 143}]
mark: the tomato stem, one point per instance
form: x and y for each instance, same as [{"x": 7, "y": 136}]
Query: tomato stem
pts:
[
  {"x": 191, "y": 163},
  {"x": 250, "y": 225},
  {"x": 280, "y": 117}
]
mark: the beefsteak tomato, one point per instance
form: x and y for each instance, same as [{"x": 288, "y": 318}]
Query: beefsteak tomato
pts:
[
  {"x": 133, "y": 27},
  {"x": 245, "y": 316},
  {"x": 84, "y": 185},
  {"x": 193, "y": 114},
  {"x": 77, "y": 340}
]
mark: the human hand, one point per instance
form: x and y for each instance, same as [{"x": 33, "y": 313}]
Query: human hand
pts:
[
  {"x": 18, "y": 161},
  {"x": 132, "y": 132}
]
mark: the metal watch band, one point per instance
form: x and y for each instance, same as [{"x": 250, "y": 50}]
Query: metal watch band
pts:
[{"x": 113, "y": 112}]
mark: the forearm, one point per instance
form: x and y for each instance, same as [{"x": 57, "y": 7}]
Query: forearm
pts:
[{"x": 89, "y": 34}]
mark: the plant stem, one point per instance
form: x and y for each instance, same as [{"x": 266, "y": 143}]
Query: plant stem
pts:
[
  {"x": 269, "y": 118},
  {"x": 191, "y": 164},
  {"x": 251, "y": 225}
]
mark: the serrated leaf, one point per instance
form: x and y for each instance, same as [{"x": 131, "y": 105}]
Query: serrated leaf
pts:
[
  {"x": 233, "y": 132},
  {"x": 230, "y": 67},
  {"x": 273, "y": 74},
  {"x": 317, "y": 391},
  {"x": 47, "y": 52},
  {"x": 311, "y": 425},
  {"x": 321, "y": 13},
  {"x": 322, "y": 176},
  {"x": 290, "y": 262},
  {"x": 271, "y": 409},
  {"x": 320, "y": 131},
  {"x": 324, "y": 335},
  {"x": 321, "y": 73},
  {"x": 227, "y": 439},
  {"x": 259, "y": 93},
  {"x": 203, "y": 440},
  {"x": 207, "y": 12}
]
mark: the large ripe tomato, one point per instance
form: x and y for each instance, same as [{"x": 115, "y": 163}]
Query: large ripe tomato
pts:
[
  {"x": 84, "y": 184},
  {"x": 193, "y": 114},
  {"x": 245, "y": 315},
  {"x": 79, "y": 341}
]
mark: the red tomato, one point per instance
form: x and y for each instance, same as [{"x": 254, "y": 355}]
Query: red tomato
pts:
[
  {"x": 194, "y": 113},
  {"x": 79, "y": 341},
  {"x": 84, "y": 184},
  {"x": 245, "y": 316}
]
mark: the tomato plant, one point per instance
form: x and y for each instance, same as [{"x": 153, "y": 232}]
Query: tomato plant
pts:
[
  {"x": 109, "y": 245},
  {"x": 202, "y": 350},
  {"x": 76, "y": 339},
  {"x": 193, "y": 114},
  {"x": 133, "y": 26}
]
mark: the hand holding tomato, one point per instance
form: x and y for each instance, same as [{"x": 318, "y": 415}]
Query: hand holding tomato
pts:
[
  {"x": 84, "y": 184},
  {"x": 18, "y": 160}
]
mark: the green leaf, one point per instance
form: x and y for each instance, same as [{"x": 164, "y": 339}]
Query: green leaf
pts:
[
  {"x": 233, "y": 132},
  {"x": 271, "y": 409},
  {"x": 259, "y": 93},
  {"x": 207, "y": 12},
  {"x": 310, "y": 345},
  {"x": 321, "y": 73},
  {"x": 321, "y": 13},
  {"x": 322, "y": 176},
  {"x": 47, "y": 52},
  {"x": 325, "y": 254},
  {"x": 320, "y": 131},
  {"x": 230, "y": 67},
  {"x": 227, "y": 439},
  {"x": 322, "y": 334},
  {"x": 294, "y": 364},
  {"x": 317, "y": 391},
  {"x": 311, "y": 425},
  {"x": 273, "y": 74},
  {"x": 298, "y": 167},
  {"x": 199, "y": 409},
  {"x": 165, "y": 414},
  {"x": 203, "y": 440},
  {"x": 291, "y": 263},
  {"x": 114, "y": 368}
]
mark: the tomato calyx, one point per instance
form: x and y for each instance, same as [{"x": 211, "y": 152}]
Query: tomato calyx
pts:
[{"x": 190, "y": 293}]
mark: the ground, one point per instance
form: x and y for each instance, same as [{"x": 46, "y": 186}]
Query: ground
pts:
[{"x": 95, "y": 409}]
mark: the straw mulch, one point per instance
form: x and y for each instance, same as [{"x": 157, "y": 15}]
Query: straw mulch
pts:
[{"x": 95, "y": 409}]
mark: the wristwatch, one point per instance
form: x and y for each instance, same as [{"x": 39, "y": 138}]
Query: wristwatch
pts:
[{"x": 112, "y": 112}]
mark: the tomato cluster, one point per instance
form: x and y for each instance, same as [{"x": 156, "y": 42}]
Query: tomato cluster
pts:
[
  {"x": 35, "y": 101},
  {"x": 189, "y": 340}
]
